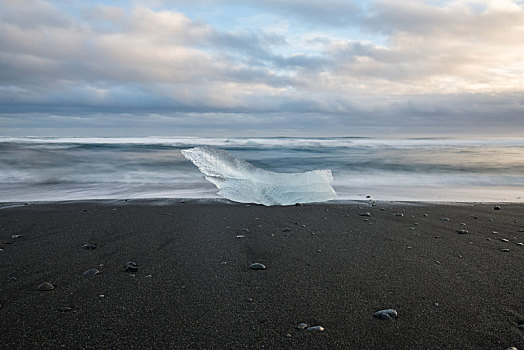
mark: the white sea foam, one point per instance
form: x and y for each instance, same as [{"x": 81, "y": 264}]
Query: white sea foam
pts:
[{"x": 242, "y": 182}]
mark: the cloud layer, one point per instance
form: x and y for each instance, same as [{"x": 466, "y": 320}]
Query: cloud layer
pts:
[{"x": 265, "y": 67}]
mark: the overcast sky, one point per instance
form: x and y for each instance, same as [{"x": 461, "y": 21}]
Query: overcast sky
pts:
[{"x": 262, "y": 67}]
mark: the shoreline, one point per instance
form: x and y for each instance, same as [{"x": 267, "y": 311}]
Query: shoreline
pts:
[{"x": 328, "y": 264}]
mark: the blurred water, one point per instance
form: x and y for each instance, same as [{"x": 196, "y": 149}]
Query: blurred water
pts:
[{"x": 436, "y": 169}]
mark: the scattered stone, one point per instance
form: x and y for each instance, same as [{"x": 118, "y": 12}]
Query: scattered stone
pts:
[
  {"x": 299, "y": 205},
  {"x": 241, "y": 236},
  {"x": 102, "y": 296},
  {"x": 490, "y": 220},
  {"x": 368, "y": 196},
  {"x": 257, "y": 266},
  {"x": 387, "y": 314},
  {"x": 131, "y": 266},
  {"x": 520, "y": 244},
  {"x": 66, "y": 308},
  {"x": 521, "y": 327},
  {"x": 89, "y": 246},
  {"x": 426, "y": 215},
  {"x": 149, "y": 276},
  {"x": 512, "y": 348},
  {"x": 488, "y": 239},
  {"x": 521, "y": 230},
  {"x": 366, "y": 214},
  {"x": 249, "y": 300},
  {"x": 302, "y": 326},
  {"x": 495, "y": 232},
  {"x": 399, "y": 214},
  {"x": 382, "y": 209},
  {"x": 496, "y": 207},
  {"x": 463, "y": 232},
  {"x": 475, "y": 217},
  {"x": 504, "y": 240},
  {"x": 463, "y": 224},
  {"x": 45, "y": 287},
  {"x": 1, "y": 249},
  {"x": 316, "y": 329},
  {"x": 366, "y": 220},
  {"x": 223, "y": 263},
  {"x": 91, "y": 272},
  {"x": 506, "y": 250},
  {"x": 287, "y": 229},
  {"x": 16, "y": 236},
  {"x": 444, "y": 219},
  {"x": 244, "y": 230}
]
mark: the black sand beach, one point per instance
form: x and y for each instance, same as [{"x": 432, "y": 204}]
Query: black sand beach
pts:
[{"x": 327, "y": 265}]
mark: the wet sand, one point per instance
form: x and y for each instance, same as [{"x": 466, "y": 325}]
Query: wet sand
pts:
[{"x": 327, "y": 265}]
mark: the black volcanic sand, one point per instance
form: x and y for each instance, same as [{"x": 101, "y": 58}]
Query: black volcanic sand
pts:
[{"x": 194, "y": 288}]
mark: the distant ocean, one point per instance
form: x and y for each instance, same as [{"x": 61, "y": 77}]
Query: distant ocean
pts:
[{"x": 429, "y": 169}]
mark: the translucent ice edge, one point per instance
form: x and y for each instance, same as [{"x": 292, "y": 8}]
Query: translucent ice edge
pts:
[{"x": 242, "y": 182}]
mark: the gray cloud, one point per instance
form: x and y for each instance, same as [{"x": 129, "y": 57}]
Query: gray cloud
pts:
[{"x": 439, "y": 67}]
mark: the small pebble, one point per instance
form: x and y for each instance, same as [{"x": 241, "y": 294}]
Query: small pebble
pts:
[
  {"x": 45, "y": 287},
  {"x": 463, "y": 232},
  {"x": 89, "y": 246},
  {"x": 16, "y": 236},
  {"x": 249, "y": 300},
  {"x": 382, "y": 209},
  {"x": 387, "y": 314},
  {"x": 288, "y": 335},
  {"x": 521, "y": 327},
  {"x": 512, "y": 348},
  {"x": 302, "y": 326},
  {"x": 505, "y": 250},
  {"x": 521, "y": 230},
  {"x": 223, "y": 263},
  {"x": 425, "y": 215},
  {"x": 149, "y": 276},
  {"x": 287, "y": 229},
  {"x": 241, "y": 236},
  {"x": 131, "y": 266},
  {"x": 445, "y": 219},
  {"x": 102, "y": 296},
  {"x": 257, "y": 266},
  {"x": 496, "y": 207},
  {"x": 463, "y": 224},
  {"x": 366, "y": 214},
  {"x": 316, "y": 329},
  {"x": 504, "y": 240},
  {"x": 495, "y": 232},
  {"x": 91, "y": 272},
  {"x": 520, "y": 244},
  {"x": 399, "y": 214},
  {"x": 66, "y": 308}
]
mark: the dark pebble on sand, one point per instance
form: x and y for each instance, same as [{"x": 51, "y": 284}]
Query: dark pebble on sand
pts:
[
  {"x": 521, "y": 327},
  {"x": 257, "y": 266},
  {"x": 506, "y": 250},
  {"x": 66, "y": 308},
  {"x": 316, "y": 329},
  {"x": 287, "y": 229},
  {"x": 302, "y": 326},
  {"x": 387, "y": 314},
  {"x": 445, "y": 219},
  {"x": 299, "y": 204},
  {"x": 46, "y": 286},
  {"x": 91, "y": 272},
  {"x": 463, "y": 232},
  {"x": 131, "y": 266},
  {"x": 504, "y": 240},
  {"x": 496, "y": 207},
  {"x": 89, "y": 246},
  {"x": 366, "y": 214},
  {"x": 399, "y": 214}
]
